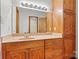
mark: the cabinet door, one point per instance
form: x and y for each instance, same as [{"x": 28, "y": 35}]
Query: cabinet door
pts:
[
  {"x": 18, "y": 54},
  {"x": 69, "y": 23},
  {"x": 51, "y": 53},
  {"x": 48, "y": 52},
  {"x": 36, "y": 53},
  {"x": 69, "y": 47},
  {"x": 69, "y": 4},
  {"x": 58, "y": 54}
]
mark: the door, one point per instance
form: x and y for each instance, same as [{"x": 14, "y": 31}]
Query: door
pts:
[
  {"x": 69, "y": 23},
  {"x": 18, "y": 54},
  {"x": 36, "y": 53},
  {"x": 42, "y": 24},
  {"x": 33, "y": 22}
]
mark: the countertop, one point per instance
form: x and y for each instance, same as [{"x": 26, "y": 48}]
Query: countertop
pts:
[{"x": 17, "y": 38}]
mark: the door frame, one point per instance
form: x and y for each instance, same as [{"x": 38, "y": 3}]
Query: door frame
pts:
[{"x": 29, "y": 22}]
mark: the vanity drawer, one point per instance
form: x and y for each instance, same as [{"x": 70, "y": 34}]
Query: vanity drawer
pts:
[
  {"x": 22, "y": 45},
  {"x": 56, "y": 43}
]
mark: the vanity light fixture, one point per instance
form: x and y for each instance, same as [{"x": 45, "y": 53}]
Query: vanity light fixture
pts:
[
  {"x": 44, "y": 8},
  {"x": 22, "y": 3},
  {"x": 29, "y": 5},
  {"x": 39, "y": 7},
  {"x": 33, "y": 5},
  {"x": 26, "y": 5}
]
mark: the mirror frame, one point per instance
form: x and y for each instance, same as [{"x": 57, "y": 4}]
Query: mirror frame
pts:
[{"x": 17, "y": 20}]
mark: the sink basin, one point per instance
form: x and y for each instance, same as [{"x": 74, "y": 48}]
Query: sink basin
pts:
[{"x": 25, "y": 38}]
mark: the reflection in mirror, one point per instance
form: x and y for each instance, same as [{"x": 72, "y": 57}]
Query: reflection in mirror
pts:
[
  {"x": 33, "y": 24},
  {"x": 42, "y": 24},
  {"x": 37, "y": 24},
  {"x": 17, "y": 20},
  {"x": 33, "y": 16},
  {"x": 30, "y": 21}
]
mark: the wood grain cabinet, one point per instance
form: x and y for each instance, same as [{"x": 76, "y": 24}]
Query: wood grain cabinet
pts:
[
  {"x": 44, "y": 49},
  {"x": 23, "y": 50},
  {"x": 69, "y": 47},
  {"x": 69, "y": 23},
  {"x": 51, "y": 53},
  {"x": 69, "y": 5},
  {"x": 33, "y": 53},
  {"x": 17, "y": 54},
  {"x": 36, "y": 53},
  {"x": 54, "y": 49},
  {"x": 69, "y": 18}
]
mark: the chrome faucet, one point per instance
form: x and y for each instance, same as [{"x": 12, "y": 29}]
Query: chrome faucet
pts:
[{"x": 26, "y": 35}]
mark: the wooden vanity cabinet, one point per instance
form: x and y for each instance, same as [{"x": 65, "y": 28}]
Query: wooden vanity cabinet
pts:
[
  {"x": 69, "y": 44},
  {"x": 69, "y": 5},
  {"x": 17, "y": 54},
  {"x": 69, "y": 28},
  {"x": 43, "y": 49},
  {"x": 23, "y": 50},
  {"x": 36, "y": 53},
  {"x": 54, "y": 49},
  {"x": 69, "y": 23},
  {"x": 14, "y": 53},
  {"x": 51, "y": 53}
]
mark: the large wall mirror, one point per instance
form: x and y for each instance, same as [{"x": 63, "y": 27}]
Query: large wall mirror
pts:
[
  {"x": 33, "y": 19},
  {"x": 31, "y": 16},
  {"x": 31, "y": 23}
]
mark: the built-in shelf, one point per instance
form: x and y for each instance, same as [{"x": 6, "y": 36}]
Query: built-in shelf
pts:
[{"x": 32, "y": 9}]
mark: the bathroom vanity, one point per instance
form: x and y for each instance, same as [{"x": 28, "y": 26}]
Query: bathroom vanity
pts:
[
  {"x": 45, "y": 46},
  {"x": 40, "y": 34}
]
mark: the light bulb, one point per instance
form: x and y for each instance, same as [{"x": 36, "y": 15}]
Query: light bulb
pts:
[
  {"x": 26, "y": 4},
  {"x": 39, "y": 7},
  {"x": 22, "y": 3},
  {"x": 35, "y": 6}
]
